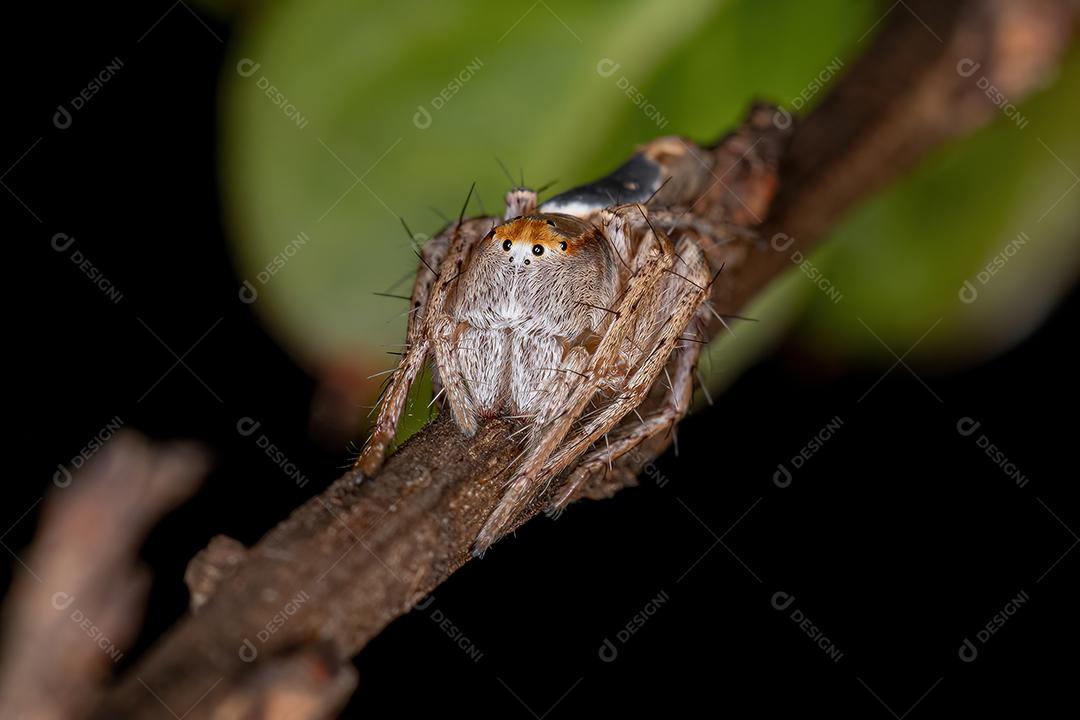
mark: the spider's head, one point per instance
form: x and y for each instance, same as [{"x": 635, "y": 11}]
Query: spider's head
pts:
[{"x": 538, "y": 238}]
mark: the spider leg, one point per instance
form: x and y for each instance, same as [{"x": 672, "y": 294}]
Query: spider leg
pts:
[
  {"x": 430, "y": 294},
  {"x": 655, "y": 258},
  {"x": 636, "y": 390},
  {"x": 686, "y": 291},
  {"x": 616, "y": 228},
  {"x": 519, "y": 201},
  {"x": 431, "y": 257},
  {"x": 397, "y": 392},
  {"x": 672, "y": 409},
  {"x": 447, "y": 334}
]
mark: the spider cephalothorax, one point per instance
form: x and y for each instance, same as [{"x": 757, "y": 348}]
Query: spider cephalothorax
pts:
[
  {"x": 532, "y": 289},
  {"x": 563, "y": 316}
]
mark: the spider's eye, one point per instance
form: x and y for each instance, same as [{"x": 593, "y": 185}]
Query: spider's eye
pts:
[
  {"x": 562, "y": 245},
  {"x": 538, "y": 249},
  {"x": 507, "y": 245}
]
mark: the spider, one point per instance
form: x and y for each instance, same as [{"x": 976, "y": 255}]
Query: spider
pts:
[{"x": 564, "y": 315}]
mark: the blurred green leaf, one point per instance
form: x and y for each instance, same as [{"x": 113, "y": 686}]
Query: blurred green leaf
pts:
[
  {"x": 339, "y": 146},
  {"x": 902, "y": 259},
  {"x": 355, "y": 75}
]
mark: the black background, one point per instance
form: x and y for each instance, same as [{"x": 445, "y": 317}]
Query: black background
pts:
[{"x": 899, "y": 539}]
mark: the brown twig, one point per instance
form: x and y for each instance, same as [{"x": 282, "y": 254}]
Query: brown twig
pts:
[
  {"x": 78, "y": 606},
  {"x": 345, "y": 564}
]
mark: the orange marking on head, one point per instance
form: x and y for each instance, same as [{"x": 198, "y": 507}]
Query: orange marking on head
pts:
[{"x": 535, "y": 230}]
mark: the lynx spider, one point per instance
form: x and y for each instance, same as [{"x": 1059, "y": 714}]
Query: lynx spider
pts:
[{"x": 576, "y": 304}]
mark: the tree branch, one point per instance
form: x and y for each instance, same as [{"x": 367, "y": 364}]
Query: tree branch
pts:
[
  {"x": 71, "y": 615},
  {"x": 318, "y": 587}
]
